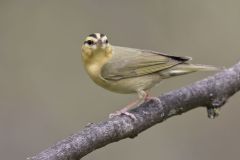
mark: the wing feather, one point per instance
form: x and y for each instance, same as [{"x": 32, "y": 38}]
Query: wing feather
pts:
[{"x": 130, "y": 62}]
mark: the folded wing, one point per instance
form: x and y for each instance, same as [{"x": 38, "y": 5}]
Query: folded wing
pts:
[{"x": 130, "y": 62}]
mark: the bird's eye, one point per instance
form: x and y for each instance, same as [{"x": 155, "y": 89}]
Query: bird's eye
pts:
[
  {"x": 89, "y": 42},
  {"x": 106, "y": 41}
]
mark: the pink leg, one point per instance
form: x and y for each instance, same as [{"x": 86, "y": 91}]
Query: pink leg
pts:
[
  {"x": 143, "y": 96},
  {"x": 147, "y": 97},
  {"x": 125, "y": 110}
]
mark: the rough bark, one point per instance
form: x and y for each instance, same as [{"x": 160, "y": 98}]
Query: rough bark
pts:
[{"x": 212, "y": 93}]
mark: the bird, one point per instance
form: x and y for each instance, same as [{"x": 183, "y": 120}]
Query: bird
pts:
[{"x": 130, "y": 70}]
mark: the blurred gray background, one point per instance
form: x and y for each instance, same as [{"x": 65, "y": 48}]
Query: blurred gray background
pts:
[{"x": 45, "y": 94}]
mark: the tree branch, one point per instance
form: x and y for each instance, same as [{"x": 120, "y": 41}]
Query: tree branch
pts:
[{"x": 211, "y": 92}]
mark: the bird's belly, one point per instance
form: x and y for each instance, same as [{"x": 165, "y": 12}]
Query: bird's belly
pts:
[
  {"x": 131, "y": 85},
  {"x": 126, "y": 85}
]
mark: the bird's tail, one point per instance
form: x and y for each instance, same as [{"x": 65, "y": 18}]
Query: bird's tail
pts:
[{"x": 186, "y": 68}]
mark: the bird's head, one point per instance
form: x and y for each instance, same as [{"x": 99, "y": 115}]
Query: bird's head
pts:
[{"x": 95, "y": 47}]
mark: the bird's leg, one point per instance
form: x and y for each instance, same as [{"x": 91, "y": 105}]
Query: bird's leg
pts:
[
  {"x": 145, "y": 95},
  {"x": 125, "y": 110},
  {"x": 141, "y": 98}
]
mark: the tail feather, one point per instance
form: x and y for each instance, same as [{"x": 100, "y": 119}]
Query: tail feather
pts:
[{"x": 186, "y": 68}]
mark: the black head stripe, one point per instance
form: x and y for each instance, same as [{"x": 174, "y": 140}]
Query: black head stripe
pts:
[
  {"x": 102, "y": 35},
  {"x": 93, "y": 35},
  {"x": 85, "y": 42}
]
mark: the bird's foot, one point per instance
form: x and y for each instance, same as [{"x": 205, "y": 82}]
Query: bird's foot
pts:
[
  {"x": 118, "y": 113},
  {"x": 145, "y": 96},
  {"x": 155, "y": 99}
]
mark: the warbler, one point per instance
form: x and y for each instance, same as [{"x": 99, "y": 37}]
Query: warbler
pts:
[{"x": 130, "y": 70}]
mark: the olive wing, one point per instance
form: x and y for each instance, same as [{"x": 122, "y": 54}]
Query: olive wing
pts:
[{"x": 130, "y": 62}]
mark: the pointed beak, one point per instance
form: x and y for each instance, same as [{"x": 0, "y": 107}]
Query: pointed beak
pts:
[{"x": 99, "y": 43}]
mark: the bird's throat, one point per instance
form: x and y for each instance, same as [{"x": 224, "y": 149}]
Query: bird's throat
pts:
[{"x": 94, "y": 67}]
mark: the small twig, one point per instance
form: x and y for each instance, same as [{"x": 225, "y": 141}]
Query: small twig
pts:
[{"x": 211, "y": 92}]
